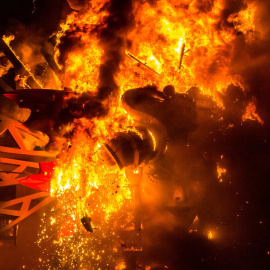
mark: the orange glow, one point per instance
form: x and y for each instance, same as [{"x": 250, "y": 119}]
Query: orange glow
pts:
[
  {"x": 67, "y": 228},
  {"x": 221, "y": 171},
  {"x": 121, "y": 266}
]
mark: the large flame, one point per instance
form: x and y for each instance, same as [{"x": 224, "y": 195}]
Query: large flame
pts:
[
  {"x": 182, "y": 44},
  {"x": 160, "y": 32}
]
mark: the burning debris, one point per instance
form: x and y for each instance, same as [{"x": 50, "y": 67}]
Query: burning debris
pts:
[
  {"x": 86, "y": 222},
  {"x": 140, "y": 61}
]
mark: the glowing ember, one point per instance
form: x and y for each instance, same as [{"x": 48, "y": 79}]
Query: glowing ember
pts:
[
  {"x": 221, "y": 171},
  {"x": 121, "y": 266}
]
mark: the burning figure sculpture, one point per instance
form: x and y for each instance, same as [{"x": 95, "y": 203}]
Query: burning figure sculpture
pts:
[
  {"x": 155, "y": 152},
  {"x": 159, "y": 117}
]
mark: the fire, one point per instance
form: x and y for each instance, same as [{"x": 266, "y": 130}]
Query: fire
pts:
[
  {"x": 169, "y": 43},
  {"x": 244, "y": 21},
  {"x": 82, "y": 69},
  {"x": 22, "y": 81},
  {"x": 83, "y": 186},
  {"x": 83, "y": 61},
  {"x": 121, "y": 266},
  {"x": 251, "y": 113},
  {"x": 160, "y": 33},
  {"x": 220, "y": 171},
  {"x": 88, "y": 187},
  {"x": 172, "y": 44},
  {"x": 8, "y": 39}
]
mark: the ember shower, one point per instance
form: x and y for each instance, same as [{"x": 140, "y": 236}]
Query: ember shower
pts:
[{"x": 202, "y": 204}]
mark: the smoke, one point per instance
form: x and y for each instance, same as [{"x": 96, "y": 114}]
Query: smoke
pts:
[
  {"x": 230, "y": 7},
  {"x": 111, "y": 35},
  {"x": 252, "y": 60},
  {"x": 80, "y": 106},
  {"x": 113, "y": 40}
]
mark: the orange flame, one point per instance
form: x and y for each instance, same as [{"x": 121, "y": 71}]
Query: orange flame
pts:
[
  {"x": 172, "y": 43},
  {"x": 251, "y": 113}
]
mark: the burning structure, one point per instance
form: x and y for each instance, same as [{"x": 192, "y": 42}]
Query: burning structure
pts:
[{"x": 151, "y": 142}]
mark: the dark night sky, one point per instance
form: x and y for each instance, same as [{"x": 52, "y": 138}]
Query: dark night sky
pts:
[
  {"x": 32, "y": 15},
  {"x": 239, "y": 208}
]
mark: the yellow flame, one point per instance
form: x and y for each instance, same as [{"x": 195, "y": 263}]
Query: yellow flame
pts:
[{"x": 8, "y": 39}]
